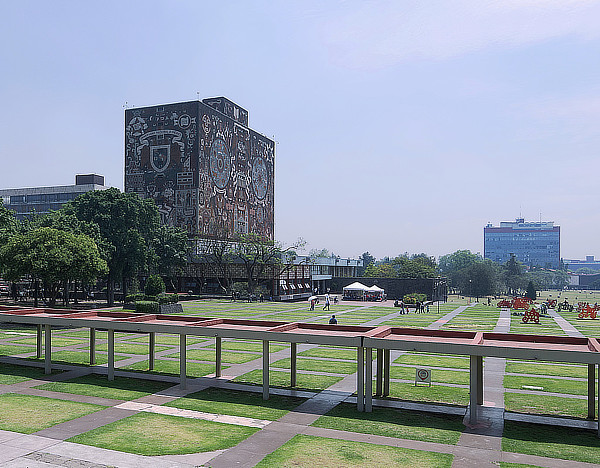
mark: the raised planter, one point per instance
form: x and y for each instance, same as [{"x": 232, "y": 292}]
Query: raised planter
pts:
[{"x": 170, "y": 309}]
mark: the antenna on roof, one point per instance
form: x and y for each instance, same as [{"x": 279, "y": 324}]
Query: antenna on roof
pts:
[
  {"x": 125, "y": 106},
  {"x": 198, "y": 95}
]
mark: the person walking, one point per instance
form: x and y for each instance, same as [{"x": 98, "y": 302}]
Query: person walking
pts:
[
  {"x": 312, "y": 304},
  {"x": 327, "y": 302}
]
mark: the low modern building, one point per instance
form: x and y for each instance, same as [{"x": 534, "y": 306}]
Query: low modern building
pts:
[
  {"x": 41, "y": 200},
  {"x": 532, "y": 243},
  {"x": 589, "y": 262}
]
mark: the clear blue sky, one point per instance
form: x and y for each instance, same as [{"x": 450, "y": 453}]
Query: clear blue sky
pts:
[{"x": 401, "y": 125}]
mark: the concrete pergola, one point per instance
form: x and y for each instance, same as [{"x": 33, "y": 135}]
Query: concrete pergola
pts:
[{"x": 365, "y": 339}]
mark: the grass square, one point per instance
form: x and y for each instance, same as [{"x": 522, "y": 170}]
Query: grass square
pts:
[
  {"x": 128, "y": 348},
  {"x": 551, "y": 441},
  {"x": 252, "y": 346},
  {"x": 282, "y": 379},
  {"x": 390, "y": 422},
  {"x": 546, "y": 405},
  {"x": 209, "y": 355},
  {"x": 13, "y": 350},
  {"x": 12, "y": 374},
  {"x": 235, "y": 403},
  {"x": 434, "y": 394},
  {"x": 157, "y": 434},
  {"x": 304, "y": 451},
  {"x": 80, "y": 357},
  {"x": 122, "y": 388},
  {"x": 164, "y": 366},
  {"x": 318, "y": 365},
  {"x": 36, "y": 413}
]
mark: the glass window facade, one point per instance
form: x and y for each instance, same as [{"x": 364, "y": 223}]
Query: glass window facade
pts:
[{"x": 533, "y": 244}]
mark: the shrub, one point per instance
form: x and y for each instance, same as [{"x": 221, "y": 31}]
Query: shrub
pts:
[
  {"x": 412, "y": 298},
  {"x": 168, "y": 298},
  {"x": 147, "y": 307},
  {"x": 154, "y": 285},
  {"x": 131, "y": 298}
]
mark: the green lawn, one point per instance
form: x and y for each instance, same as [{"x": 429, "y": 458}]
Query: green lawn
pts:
[
  {"x": 56, "y": 342},
  {"x": 169, "y": 340},
  {"x": 332, "y": 353},
  {"x": 28, "y": 414},
  {"x": 570, "y": 387},
  {"x": 12, "y": 374},
  {"x": 437, "y": 375},
  {"x": 253, "y": 346},
  {"x": 247, "y": 404},
  {"x": 282, "y": 379},
  {"x": 12, "y": 350},
  {"x": 389, "y": 422},
  {"x": 81, "y": 357},
  {"x": 164, "y": 366},
  {"x": 434, "y": 394},
  {"x": 209, "y": 355},
  {"x": 547, "y": 405},
  {"x": 546, "y": 369},
  {"x": 318, "y": 365},
  {"x": 415, "y": 359},
  {"x": 126, "y": 347},
  {"x": 551, "y": 441},
  {"x": 157, "y": 434},
  {"x": 304, "y": 451},
  {"x": 122, "y": 388}
]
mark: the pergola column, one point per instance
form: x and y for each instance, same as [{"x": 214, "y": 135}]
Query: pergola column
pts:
[
  {"x": 151, "y": 349},
  {"x": 293, "y": 363},
  {"x": 473, "y": 388},
  {"x": 369, "y": 380},
  {"x": 218, "y": 356},
  {"x": 111, "y": 355},
  {"x": 591, "y": 392},
  {"x": 265, "y": 370},
  {"x": 92, "y": 346},
  {"x": 480, "y": 380},
  {"x": 379, "y": 376},
  {"x": 47, "y": 349},
  {"x": 386, "y": 372},
  {"x": 39, "y": 342},
  {"x": 182, "y": 361},
  {"x": 599, "y": 401},
  {"x": 360, "y": 378}
]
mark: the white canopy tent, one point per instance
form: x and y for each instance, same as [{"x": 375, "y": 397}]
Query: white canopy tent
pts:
[{"x": 355, "y": 291}]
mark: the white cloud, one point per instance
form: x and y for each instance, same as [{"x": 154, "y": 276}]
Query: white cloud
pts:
[{"x": 381, "y": 33}]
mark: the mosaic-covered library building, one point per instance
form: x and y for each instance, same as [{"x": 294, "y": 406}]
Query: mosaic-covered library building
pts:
[{"x": 207, "y": 171}]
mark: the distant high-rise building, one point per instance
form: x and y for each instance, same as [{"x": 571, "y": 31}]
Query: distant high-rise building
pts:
[
  {"x": 41, "y": 200},
  {"x": 532, "y": 243},
  {"x": 207, "y": 171}
]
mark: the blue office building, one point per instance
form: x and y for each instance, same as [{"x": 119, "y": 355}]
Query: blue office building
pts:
[{"x": 532, "y": 243}]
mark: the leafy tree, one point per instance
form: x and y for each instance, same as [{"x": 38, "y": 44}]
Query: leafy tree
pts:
[
  {"x": 52, "y": 256},
  {"x": 513, "y": 274},
  {"x": 586, "y": 271},
  {"x": 383, "y": 270},
  {"x": 530, "y": 293},
  {"x": 8, "y": 223},
  {"x": 171, "y": 250},
  {"x": 480, "y": 278},
  {"x": 260, "y": 255},
  {"x": 367, "y": 259},
  {"x": 127, "y": 225},
  {"x": 154, "y": 285},
  {"x": 323, "y": 253}
]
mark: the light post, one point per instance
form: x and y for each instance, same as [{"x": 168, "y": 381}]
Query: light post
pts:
[{"x": 470, "y": 290}]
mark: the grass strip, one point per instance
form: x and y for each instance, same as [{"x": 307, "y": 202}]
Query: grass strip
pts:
[
  {"x": 282, "y": 380},
  {"x": 209, "y": 355},
  {"x": 122, "y": 388},
  {"x": 437, "y": 375},
  {"x": 546, "y": 369},
  {"x": 551, "y": 441},
  {"x": 304, "y": 451},
  {"x": 235, "y": 403},
  {"x": 163, "y": 366},
  {"x": 28, "y": 414},
  {"x": 569, "y": 387},
  {"x": 318, "y": 365},
  {"x": 12, "y": 374},
  {"x": 390, "y": 422},
  {"x": 548, "y": 405},
  {"x": 157, "y": 434},
  {"x": 434, "y": 394},
  {"x": 433, "y": 361}
]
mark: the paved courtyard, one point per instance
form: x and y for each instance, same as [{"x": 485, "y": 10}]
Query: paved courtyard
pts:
[{"x": 327, "y": 387}]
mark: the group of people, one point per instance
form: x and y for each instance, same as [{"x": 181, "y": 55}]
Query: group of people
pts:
[
  {"x": 315, "y": 300},
  {"x": 420, "y": 307}
]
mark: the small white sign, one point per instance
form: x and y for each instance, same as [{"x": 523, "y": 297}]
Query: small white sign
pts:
[{"x": 423, "y": 376}]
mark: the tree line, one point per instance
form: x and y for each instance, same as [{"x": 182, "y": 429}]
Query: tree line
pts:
[{"x": 468, "y": 273}]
